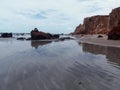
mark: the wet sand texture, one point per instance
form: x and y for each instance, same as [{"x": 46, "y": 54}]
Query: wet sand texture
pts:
[{"x": 66, "y": 65}]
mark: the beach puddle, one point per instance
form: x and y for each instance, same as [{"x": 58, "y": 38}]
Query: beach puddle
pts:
[{"x": 62, "y": 65}]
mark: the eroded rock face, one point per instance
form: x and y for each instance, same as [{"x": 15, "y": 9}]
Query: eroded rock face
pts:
[
  {"x": 114, "y": 18},
  {"x": 79, "y": 29},
  {"x": 114, "y": 24},
  {"x": 94, "y": 25},
  {"x": 102, "y": 24}
]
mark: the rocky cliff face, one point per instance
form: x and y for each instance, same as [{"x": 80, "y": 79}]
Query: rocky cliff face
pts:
[
  {"x": 114, "y": 18},
  {"x": 102, "y": 24},
  {"x": 114, "y": 24},
  {"x": 79, "y": 29},
  {"x": 94, "y": 25}
]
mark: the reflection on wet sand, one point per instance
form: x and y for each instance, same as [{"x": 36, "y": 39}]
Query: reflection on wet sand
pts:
[
  {"x": 56, "y": 66},
  {"x": 38, "y": 43},
  {"x": 89, "y": 77},
  {"x": 112, "y": 53}
]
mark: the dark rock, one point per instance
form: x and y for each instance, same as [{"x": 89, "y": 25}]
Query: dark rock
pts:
[
  {"x": 114, "y": 34},
  {"x": 37, "y": 35},
  {"x": 21, "y": 38},
  {"x": 99, "y": 36},
  {"x": 6, "y": 35},
  {"x": 114, "y": 24},
  {"x": 65, "y": 38},
  {"x": 56, "y": 36},
  {"x": 28, "y": 38},
  {"x": 114, "y": 18},
  {"x": 22, "y": 34}
]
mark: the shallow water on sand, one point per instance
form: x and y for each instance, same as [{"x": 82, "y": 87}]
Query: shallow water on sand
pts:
[{"x": 64, "y": 65}]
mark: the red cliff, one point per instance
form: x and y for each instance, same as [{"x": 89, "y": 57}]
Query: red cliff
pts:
[
  {"x": 102, "y": 24},
  {"x": 94, "y": 25},
  {"x": 114, "y": 18},
  {"x": 79, "y": 29},
  {"x": 114, "y": 24}
]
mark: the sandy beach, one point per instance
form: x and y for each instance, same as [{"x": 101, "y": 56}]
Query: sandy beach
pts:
[
  {"x": 93, "y": 39},
  {"x": 61, "y": 65}
]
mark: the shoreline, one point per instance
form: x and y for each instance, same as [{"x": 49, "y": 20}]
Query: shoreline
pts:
[{"x": 93, "y": 39}]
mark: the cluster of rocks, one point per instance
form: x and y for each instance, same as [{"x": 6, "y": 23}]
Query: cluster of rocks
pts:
[
  {"x": 102, "y": 24},
  {"x": 6, "y": 35},
  {"x": 37, "y": 35}
]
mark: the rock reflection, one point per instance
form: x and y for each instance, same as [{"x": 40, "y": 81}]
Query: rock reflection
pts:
[
  {"x": 94, "y": 49},
  {"x": 36, "y": 43},
  {"x": 111, "y": 53}
]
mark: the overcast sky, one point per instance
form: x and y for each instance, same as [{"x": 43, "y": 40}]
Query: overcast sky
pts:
[{"x": 55, "y": 16}]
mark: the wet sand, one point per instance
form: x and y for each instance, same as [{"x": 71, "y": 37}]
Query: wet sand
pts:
[
  {"x": 93, "y": 39},
  {"x": 64, "y": 65}
]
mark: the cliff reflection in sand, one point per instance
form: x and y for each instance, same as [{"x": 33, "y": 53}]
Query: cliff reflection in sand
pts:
[
  {"x": 38, "y": 43},
  {"x": 111, "y": 53},
  {"x": 56, "y": 66}
]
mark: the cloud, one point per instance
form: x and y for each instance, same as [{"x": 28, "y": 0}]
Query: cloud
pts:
[
  {"x": 54, "y": 16},
  {"x": 34, "y": 15}
]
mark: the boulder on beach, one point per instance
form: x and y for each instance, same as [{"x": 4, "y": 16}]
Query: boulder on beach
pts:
[
  {"x": 38, "y": 35},
  {"x": 114, "y": 34},
  {"x": 6, "y": 35}
]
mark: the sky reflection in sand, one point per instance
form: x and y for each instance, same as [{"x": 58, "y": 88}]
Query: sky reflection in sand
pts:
[{"x": 64, "y": 65}]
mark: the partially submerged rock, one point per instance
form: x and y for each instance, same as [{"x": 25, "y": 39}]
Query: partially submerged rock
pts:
[{"x": 38, "y": 35}]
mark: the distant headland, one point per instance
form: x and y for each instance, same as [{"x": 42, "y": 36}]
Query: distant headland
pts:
[{"x": 102, "y": 24}]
